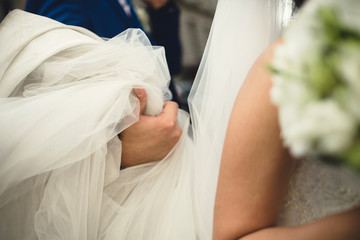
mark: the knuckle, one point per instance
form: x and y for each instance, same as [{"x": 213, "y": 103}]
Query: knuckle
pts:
[
  {"x": 169, "y": 124},
  {"x": 175, "y": 105},
  {"x": 177, "y": 134},
  {"x": 172, "y": 104}
]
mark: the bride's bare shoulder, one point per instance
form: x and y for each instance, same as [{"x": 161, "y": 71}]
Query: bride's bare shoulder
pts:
[
  {"x": 259, "y": 72},
  {"x": 268, "y": 55}
]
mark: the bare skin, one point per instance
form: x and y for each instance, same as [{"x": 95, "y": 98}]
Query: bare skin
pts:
[
  {"x": 255, "y": 170},
  {"x": 151, "y": 138},
  {"x": 255, "y": 167},
  {"x": 342, "y": 226}
]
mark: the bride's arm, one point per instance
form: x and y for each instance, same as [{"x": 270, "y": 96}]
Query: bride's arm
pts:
[
  {"x": 342, "y": 226},
  {"x": 255, "y": 167}
]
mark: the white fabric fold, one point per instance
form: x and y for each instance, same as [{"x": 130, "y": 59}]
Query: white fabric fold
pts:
[
  {"x": 71, "y": 101},
  {"x": 65, "y": 95}
]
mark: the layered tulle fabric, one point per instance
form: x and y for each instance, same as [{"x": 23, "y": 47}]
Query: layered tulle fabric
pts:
[{"x": 65, "y": 96}]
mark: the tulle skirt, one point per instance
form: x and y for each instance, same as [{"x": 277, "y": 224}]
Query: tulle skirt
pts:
[{"x": 66, "y": 95}]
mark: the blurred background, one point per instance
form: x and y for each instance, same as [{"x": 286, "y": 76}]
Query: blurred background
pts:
[
  {"x": 195, "y": 23},
  {"x": 7, "y": 5}
]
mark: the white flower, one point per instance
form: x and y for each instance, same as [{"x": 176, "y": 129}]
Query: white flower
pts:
[
  {"x": 349, "y": 65},
  {"x": 316, "y": 84},
  {"x": 322, "y": 128},
  {"x": 290, "y": 91},
  {"x": 349, "y": 69}
]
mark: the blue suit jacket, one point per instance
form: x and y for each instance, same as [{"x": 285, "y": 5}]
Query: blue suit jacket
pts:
[{"x": 107, "y": 18}]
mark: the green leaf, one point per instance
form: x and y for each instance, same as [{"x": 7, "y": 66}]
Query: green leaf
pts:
[
  {"x": 352, "y": 156},
  {"x": 272, "y": 69}
]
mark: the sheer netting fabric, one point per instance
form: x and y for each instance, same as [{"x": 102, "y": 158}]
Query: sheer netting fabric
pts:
[
  {"x": 240, "y": 32},
  {"x": 66, "y": 94}
]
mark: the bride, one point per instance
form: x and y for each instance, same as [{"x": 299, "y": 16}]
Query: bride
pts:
[
  {"x": 67, "y": 94},
  {"x": 256, "y": 168}
]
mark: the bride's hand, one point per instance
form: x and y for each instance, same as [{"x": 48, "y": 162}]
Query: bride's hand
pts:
[{"x": 151, "y": 138}]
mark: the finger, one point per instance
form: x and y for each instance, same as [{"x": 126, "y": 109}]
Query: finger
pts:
[
  {"x": 140, "y": 93},
  {"x": 170, "y": 110}
]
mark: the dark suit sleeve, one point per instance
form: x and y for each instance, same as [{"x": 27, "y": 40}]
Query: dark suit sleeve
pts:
[
  {"x": 71, "y": 12},
  {"x": 164, "y": 24}
]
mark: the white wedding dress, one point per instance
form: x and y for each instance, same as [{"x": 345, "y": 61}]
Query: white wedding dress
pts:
[{"x": 65, "y": 96}]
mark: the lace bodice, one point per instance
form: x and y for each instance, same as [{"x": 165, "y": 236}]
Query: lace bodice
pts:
[{"x": 317, "y": 190}]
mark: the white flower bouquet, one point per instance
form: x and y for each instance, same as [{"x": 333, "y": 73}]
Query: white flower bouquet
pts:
[{"x": 316, "y": 82}]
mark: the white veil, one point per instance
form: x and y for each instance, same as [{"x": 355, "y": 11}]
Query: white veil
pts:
[{"x": 240, "y": 31}]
